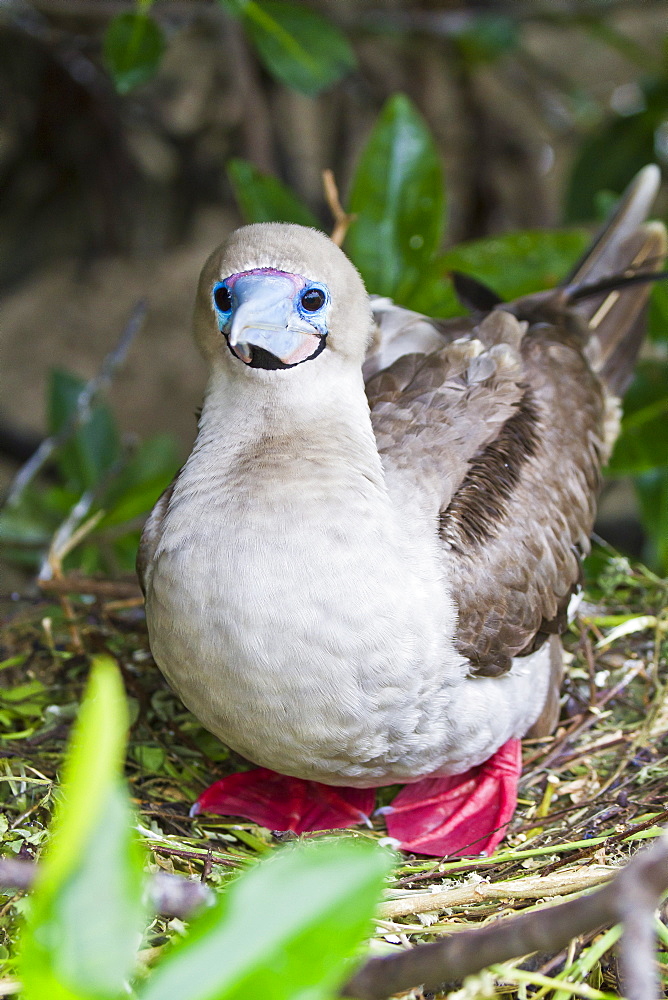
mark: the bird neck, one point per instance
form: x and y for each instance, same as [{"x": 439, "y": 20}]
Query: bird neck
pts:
[{"x": 293, "y": 418}]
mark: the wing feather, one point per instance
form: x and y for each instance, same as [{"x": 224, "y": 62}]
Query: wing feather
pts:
[{"x": 511, "y": 422}]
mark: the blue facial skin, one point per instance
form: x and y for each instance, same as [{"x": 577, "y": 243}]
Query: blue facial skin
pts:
[
  {"x": 222, "y": 315},
  {"x": 317, "y": 318},
  {"x": 242, "y": 287},
  {"x": 269, "y": 311}
]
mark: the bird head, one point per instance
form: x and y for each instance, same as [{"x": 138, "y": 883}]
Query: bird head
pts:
[{"x": 276, "y": 296}]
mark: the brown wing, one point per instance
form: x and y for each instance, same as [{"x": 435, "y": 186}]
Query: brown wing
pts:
[
  {"x": 451, "y": 403},
  {"x": 513, "y": 423},
  {"x": 521, "y": 517},
  {"x": 519, "y": 432}
]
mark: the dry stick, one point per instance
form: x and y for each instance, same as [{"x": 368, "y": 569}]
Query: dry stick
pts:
[
  {"x": 256, "y": 120},
  {"x": 76, "y": 583},
  {"x": 175, "y": 896},
  {"x": 66, "y": 538},
  {"x": 86, "y": 397},
  {"x": 342, "y": 219},
  {"x": 630, "y": 897},
  {"x": 533, "y": 887},
  {"x": 636, "y": 902},
  {"x": 170, "y": 895},
  {"x": 15, "y": 874},
  {"x": 209, "y": 856}
]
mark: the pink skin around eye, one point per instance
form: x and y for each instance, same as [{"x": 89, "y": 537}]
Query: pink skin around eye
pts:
[{"x": 298, "y": 281}]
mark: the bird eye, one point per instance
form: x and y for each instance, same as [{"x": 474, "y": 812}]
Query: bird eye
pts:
[
  {"x": 313, "y": 299},
  {"x": 222, "y": 298}
]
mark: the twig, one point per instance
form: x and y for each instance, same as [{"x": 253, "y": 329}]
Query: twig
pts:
[
  {"x": 15, "y": 874},
  {"x": 607, "y": 842},
  {"x": 131, "y": 602},
  {"x": 170, "y": 895},
  {"x": 342, "y": 219},
  {"x": 256, "y": 122},
  {"x": 76, "y": 583},
  {"x": 580, "y": 725},
  {"x": 535, "y": 887},
  {"x": 207, "y": 866},
  {"x": 636, "y": 901},
  {"x": 207, "y": 858},
  {"x": 65, "y": 539},
  {"x": 635, "y": 891},
  {"x": 86, "y": 398}
]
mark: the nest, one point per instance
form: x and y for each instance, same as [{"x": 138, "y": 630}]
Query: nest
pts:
[{"x": 590, "y": 795}]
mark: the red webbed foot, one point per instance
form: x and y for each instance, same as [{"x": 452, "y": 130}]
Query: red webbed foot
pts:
[
  {"x": 460, "y": 814},
  {"x": 282, "y": 803}
]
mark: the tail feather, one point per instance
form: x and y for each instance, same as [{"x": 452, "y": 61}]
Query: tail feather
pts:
[
  {"x": 603, "y": 257},
  {"x": 617, "y": 318},
  {"x": 627, "y": 244}
]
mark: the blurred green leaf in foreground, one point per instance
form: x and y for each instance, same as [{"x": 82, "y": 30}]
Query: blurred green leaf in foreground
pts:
[
  {"x": 286, "y": 930},
  {"x": 87, "y": 912}
]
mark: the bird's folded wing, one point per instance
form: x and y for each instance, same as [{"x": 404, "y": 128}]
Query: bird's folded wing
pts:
[
  {"x": 510, "y": 422},
  {"x": 151, "y": 536}
]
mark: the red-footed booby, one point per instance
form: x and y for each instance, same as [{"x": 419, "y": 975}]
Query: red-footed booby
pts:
[{"x": 359, "y": 576}]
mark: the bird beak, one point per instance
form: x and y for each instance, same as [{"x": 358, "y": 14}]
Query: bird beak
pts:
[{"x": 265, "y": 324}]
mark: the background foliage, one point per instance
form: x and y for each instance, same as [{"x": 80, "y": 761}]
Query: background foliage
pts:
[
  {"x": 407, "y": 216},
  {"x": 101, "y": 162}
]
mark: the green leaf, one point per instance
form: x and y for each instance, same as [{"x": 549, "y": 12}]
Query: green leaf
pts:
[
  {"x": 643, "y": 442},
  {"x": 263, "y": 198},
  {"x": 26, "y": 525},
  {"x": 652, "y": 490},
  {"x": 657, "y": 316},
  {"x": 133, "y": 47},
  {"x": 76, "y": 947},
  {"x": 519, "y": 263},
  {"x": 611, "y": 156},
  {"x": 284, "y": 931},
  {"x": 95, "y": 446},
  {"x": 487, "y": 37},
  {"x": 511, "y": 265},
  {"x": 135, "y": 490},
  {"x": 298, "y": 46},
  {"x": 397, "y": 194},
  {"x": 150, "y": 758}
]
